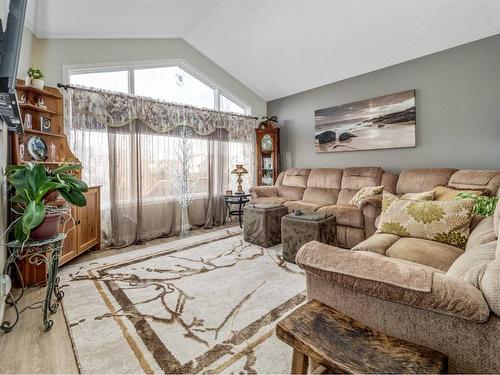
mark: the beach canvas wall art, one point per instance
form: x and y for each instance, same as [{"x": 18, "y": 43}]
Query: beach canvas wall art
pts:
[{"x": 384, "y": 122}]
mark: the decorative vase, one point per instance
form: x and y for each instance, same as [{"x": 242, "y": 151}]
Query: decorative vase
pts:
[
  {"x": 47, "y": 229},
  {"x": 185, "y": 226},
  {"x": 27, "y": 81},
  {"x": 38, "y": 83}
]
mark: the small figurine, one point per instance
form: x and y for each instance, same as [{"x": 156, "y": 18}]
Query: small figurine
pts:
[
  {"x": 28, "y": 121},
  {"x": 40, "y": 102},
  {"x": 52, "y": 152},
  {"x": 22, "y": 154}
]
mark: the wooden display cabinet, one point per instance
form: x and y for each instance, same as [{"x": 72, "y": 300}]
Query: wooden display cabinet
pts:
[
  {"x": 268, "y": 155},
  {"x": 48, "y": 104}
]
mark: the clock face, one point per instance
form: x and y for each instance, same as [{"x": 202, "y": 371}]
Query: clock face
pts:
[{"x": 266, "y": 143}]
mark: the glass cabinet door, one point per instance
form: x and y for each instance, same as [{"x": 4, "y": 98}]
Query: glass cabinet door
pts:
[{"x": 267, "y": 166}]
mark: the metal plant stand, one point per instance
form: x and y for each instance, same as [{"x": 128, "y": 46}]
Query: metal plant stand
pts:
[{"x": 37, "y": 252}]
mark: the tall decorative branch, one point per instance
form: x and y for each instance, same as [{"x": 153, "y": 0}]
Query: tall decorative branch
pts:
[{"x": 182, "y": 179}]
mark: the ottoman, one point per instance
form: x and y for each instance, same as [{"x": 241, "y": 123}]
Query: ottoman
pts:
[
  {"x": 297, "y": 230},
  {"x": 262, "y": 223}
]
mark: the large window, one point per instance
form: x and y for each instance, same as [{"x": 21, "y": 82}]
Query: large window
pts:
[{"x": 178, "y": 84}]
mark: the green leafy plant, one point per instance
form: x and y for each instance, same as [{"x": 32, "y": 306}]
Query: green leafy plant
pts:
[
  {"x": 35, "y": 73},
  {"x": 485, "y": 206},
  {"x": 266, "y": 120},
  {"x": 32, "y": 183}
]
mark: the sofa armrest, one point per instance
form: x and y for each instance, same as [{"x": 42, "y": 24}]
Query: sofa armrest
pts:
[
  {"x": 375, "y": 201},
  {"x": 394, "y": 280},
  {"x": 371, "y": 208},
  {"x": 263, "y": 191}
]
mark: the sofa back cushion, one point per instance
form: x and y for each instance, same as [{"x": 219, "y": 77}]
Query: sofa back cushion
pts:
[
  {"x": 323, "y": 185},
  {"x": 296, "y": 177},
  {"x": 354, "y": 179},
  {"x": 422, "y": 179},
  {"x": 448, "y": 193},
  {"x": 480, "y": 264},
  {"x": 325, "y": 178},
  {"x": 476, "y": 179},
  {"x": 442, "y": 221}
]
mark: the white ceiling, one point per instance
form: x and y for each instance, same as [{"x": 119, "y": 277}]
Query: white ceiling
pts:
[{"x": 280, "y": 47}]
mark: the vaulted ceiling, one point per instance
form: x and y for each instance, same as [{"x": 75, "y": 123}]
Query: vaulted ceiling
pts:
[{"x": 280, "y": 47}]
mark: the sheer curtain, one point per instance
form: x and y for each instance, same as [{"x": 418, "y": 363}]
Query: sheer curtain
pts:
[{"x": 134, "y": 165}]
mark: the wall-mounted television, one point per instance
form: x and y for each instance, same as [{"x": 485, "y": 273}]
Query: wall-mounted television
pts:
[{"x": 12, "y": 13}]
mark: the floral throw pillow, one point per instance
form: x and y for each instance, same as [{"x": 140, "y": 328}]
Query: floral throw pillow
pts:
[
  {"x": 442, "y": 221},
  {"x": 366, "y": 192}
]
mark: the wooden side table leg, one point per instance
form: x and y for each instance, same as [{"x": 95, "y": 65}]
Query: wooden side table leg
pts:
[{"x": 299, "y": 362}]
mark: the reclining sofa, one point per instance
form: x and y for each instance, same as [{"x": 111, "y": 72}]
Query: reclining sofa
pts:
[
  {"x": 329, "y": 190},
  {"x": 421, "y": 291}
]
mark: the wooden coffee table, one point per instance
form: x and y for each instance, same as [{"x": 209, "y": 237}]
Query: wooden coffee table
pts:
[{"x": 339, "y": 344}]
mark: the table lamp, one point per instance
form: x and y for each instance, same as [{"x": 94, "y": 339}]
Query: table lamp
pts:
[{"x": 239, "y": 170}]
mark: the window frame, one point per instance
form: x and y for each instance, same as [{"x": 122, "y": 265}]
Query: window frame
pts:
[{"x": 219, "y": 90}]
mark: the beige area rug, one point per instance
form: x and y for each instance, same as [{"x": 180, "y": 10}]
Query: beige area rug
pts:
[{"x": 203, "y": 304}]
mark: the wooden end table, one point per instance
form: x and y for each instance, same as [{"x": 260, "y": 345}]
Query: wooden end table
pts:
[{"x": 339, "y": 344}]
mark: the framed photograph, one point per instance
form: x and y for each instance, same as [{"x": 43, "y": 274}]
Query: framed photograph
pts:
[
  {"x": 384, "y": 122},
  {"x": 45, "y": 124}
]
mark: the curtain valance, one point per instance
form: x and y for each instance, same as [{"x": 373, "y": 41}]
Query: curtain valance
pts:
[{"x": 92, "y": 108}]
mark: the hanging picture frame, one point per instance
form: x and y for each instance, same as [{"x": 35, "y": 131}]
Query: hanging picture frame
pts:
[{"x": 383, "y": 122}]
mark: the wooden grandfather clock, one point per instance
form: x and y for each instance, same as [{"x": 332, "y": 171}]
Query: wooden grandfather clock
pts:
[{"x": 268, "y": 152}]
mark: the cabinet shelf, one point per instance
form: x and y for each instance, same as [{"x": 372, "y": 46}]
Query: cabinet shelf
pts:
[
  {"x": 34, "y": 90},
  {"x": 38, "y": 132},
  {"x": 34, "y": 108}
]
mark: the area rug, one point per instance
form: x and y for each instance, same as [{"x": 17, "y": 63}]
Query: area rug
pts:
[{"x": 204, "y": 304}]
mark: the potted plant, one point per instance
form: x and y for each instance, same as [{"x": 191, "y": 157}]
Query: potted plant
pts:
[
  {"x": 268, "y": 122},
  {"x": 34, "y": 190},
  {"x": 36, "y": 76}
]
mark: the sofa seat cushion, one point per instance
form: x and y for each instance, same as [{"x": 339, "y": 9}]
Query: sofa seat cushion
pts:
[
  {"x": 346, "y": 214},
  {"x": 429, "y": 253},
  {"x": 272, "y": 200},
  {"x": 378, "y": 243},
  {"x": 305, "y": 206}
]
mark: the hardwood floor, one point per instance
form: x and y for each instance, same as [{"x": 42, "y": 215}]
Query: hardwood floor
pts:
[{"x": 29, "y": 349}]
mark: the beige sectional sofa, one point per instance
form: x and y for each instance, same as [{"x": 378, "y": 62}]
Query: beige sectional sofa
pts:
[
  {"x": 421, "y": 291},
  {"x": 329, "y": 190}
]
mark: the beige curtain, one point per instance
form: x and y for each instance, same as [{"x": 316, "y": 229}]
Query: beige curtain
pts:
[{"x": 134, "y": 164}]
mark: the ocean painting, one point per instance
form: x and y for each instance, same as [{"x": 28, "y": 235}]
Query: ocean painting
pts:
[{"x": 384, "y": 122}]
